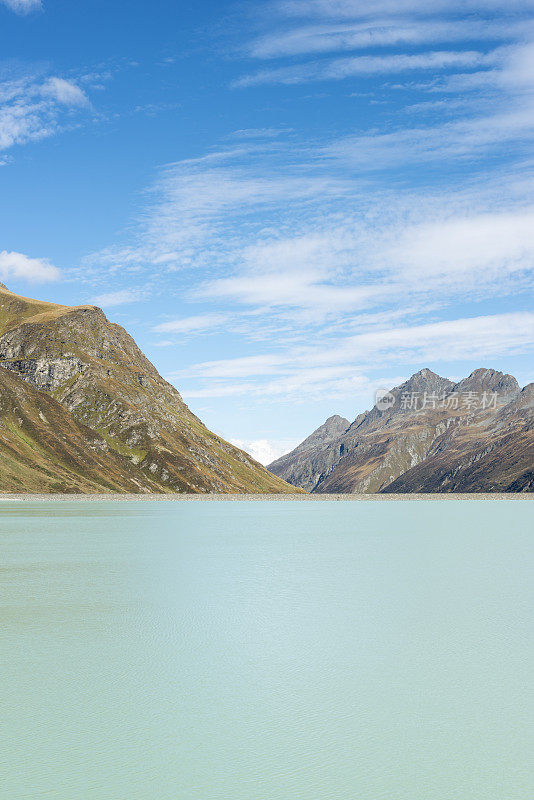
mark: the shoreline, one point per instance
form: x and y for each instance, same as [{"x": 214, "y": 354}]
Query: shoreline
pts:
[{"x": 77, "y": 498}]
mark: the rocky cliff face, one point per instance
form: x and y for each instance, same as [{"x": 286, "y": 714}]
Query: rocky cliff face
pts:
[
  {"x": 95, "y": 370},
  {"x": 429, "y": 435},
  {"x": 492, "y": 452}
]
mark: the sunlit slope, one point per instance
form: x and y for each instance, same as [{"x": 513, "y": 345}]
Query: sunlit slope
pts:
[
  {"x": 44, "y": 449},
  {"x": 96, "y": 371}
]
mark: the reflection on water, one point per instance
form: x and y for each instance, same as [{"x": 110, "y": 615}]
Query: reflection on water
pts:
[{"x": 266, "y": 651}]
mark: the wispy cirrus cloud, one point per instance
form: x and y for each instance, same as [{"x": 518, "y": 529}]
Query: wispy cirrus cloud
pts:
[
  {"x": 502, "y": 122},
  {"x": 480, "y": 337},
  {"x": 33, "y": 108},
  {"x": 328, "y": 37},
  {"x": 303, "y": 373},
  {"x": 472, "y": 137},
  {"x": 298, "y": 386},
  {"x": 198, "y": 323},
  {"x": 202, "y": 208},
  {"x": 366, "y": 237},
  {"x": 294, "y": 290},
  {"x": 120, "y": 297},
  {"x": 259, "y": 133},
  {"x": 403, "y": 34},
  {"x": 23, "y": 6},
  {"x": 64, "y": 92},
  {"x": 343, "y": 9},
  {"x": 341, "y": 68},
  {"x": 312, "y": 246},
  {"x": 485, "y": 246}
]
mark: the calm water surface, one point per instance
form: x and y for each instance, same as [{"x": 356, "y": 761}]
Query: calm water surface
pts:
[{"x": 267, "y": 651}]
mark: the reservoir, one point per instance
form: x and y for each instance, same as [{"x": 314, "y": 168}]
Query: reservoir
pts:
[{"x": 267, "y": 650}]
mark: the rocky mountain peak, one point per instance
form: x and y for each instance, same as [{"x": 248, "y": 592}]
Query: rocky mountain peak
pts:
[
  {"x": 426, "y": 381},
  {"x": 489, "y": 380},
  {"x": 329, "y": 430},
  {"x": 335, "y": 420}
]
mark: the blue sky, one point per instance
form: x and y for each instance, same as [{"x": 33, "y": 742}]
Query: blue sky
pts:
[{"x": 289, "y": 204}]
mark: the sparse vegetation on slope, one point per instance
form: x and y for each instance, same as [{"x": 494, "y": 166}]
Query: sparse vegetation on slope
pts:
[
  {"x": 96, "y": 372},
  {"x": 445, "y": 446},
  {"x": 44, "y": 449}
]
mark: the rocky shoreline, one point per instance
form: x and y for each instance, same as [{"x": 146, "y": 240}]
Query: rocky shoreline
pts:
[{"x": 77, "y": 498}]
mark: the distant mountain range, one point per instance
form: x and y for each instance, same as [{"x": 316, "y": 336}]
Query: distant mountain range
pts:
[
  {"x": 428, "y": 435},
  {"x": 83, "y": 410}
]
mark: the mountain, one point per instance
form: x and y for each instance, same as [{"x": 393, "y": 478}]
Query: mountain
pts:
[
  {"x": 428, "y": 435},
  {"x": 299, "y": 467},
  {"x": 111, "y": 402},
  {"x": 493, "y": 455}
]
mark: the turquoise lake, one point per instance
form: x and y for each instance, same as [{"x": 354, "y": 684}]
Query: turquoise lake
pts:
[{"x": 378, "y": 650}]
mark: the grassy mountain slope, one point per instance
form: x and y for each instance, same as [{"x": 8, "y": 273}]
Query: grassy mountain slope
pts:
[
  {"x": 44, "y": 449},
  {"x": 95, "y": 370}
]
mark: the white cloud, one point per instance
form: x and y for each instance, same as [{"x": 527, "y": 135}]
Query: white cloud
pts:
[
  {"x": 22, "y": 6},
  {"x": 301, "y": 242},
  {"x": 464, "y": 338},
  {"x": 198, "y": 323},
  {"x": 338, "y": 69},
  {"x": 64, "y": 92},
  {"x": 355, "y": 9},
  {"x": 295, "y": 245},
  {"x": 202, "y": 207},
  {"x": 329, "y": 37},
  {"x": 440, "y": 252},
  {"x": 335, "y": 370},
  {"x": 32, "y": 109},
  {"x": 501, "y": 117},
  {"x": 482, "y": 247},
  {"x": 264, "y": 450},
  {"x": 295, "y": 384},
  {"x": 518, "y": 70},
  {"x": 259, "y": 133},
  {"x": 294, "y": 290},
  {"x": 120, "y": 297},
  {"x": 243, "y": 367},
  {"x": 456, "y": 339},
  {"x": 316, "y": 250},
  {"x": 18, "y": 266},
  {"x": 469, "y": 137}
]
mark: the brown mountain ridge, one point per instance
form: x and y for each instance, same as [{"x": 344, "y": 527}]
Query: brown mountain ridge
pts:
[{"x": 431, "y": 435}]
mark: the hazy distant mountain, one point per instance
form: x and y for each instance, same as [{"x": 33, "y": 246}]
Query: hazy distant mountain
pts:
[
  {"x": 428, "y": 435},
  {"x": 82, "y": 409},
  {"x": 299, "y": 466}
]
